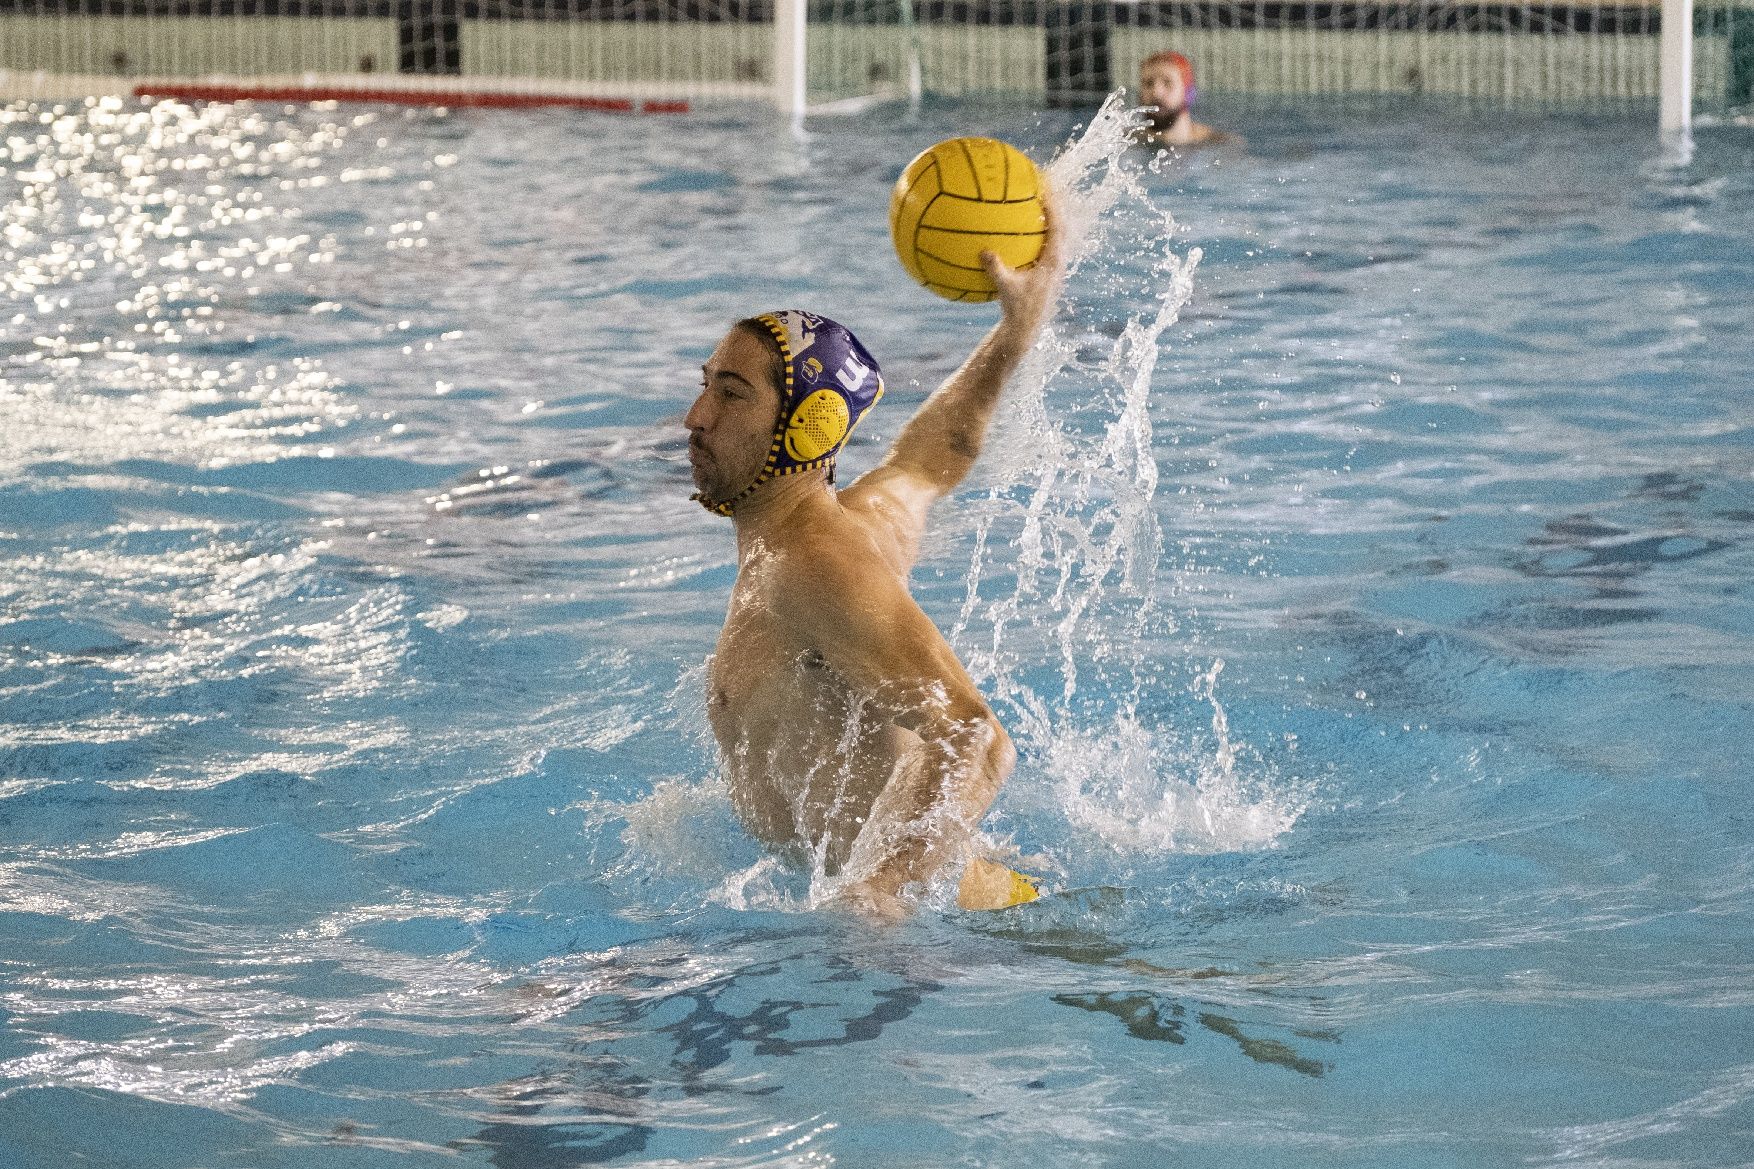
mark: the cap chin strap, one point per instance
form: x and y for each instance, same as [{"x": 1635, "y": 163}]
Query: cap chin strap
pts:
[
  {"x": 727, "y": 507},
  {"x": 717, "y": 507}
]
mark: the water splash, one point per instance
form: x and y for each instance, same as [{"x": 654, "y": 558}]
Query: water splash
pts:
[
  {"x": 1064, "y": 621},
  {"x": 1123, "y": 784}
]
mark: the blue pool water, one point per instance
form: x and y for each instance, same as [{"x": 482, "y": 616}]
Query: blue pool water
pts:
[{"x": 1374, "y": 627}]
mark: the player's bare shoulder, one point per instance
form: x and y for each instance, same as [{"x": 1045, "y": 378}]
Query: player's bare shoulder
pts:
[
  {"x": 844, "y": 554},
  {"x": 891, "y": 511}
]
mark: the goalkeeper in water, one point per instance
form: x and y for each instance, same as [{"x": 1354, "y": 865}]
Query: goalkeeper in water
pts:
[
  {"x": 850, "y": 735},
  {"x": 1166, "y": 92}
]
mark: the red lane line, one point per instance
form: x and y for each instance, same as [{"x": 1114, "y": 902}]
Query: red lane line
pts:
[{"x": 414, "y": 97}]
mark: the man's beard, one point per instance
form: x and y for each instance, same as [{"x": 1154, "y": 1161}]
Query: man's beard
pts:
[{"x": 1161, "y": 119}]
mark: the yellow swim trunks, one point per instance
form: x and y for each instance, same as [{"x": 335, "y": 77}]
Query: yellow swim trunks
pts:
[{"x": 1024, "y": 889}]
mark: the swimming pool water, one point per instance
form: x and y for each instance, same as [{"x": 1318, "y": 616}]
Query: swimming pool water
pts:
[{"x": 1374, "y": 630}]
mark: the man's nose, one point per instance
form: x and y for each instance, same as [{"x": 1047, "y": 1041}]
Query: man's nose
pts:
[{"x": 696, "y": 418}]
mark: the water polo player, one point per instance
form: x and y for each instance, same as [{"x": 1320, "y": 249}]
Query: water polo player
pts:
[
  {"x": 1166, "y": 91},
  {"x": 850, "y": 735}
]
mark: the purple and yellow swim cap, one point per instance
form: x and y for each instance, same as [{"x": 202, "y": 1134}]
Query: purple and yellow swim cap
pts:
[{"x": 831, "y": 383}]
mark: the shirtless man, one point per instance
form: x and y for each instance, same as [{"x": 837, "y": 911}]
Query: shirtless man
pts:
[
  {"x": 1166, "y": 90},
  {"x": 850, "y": 734}
]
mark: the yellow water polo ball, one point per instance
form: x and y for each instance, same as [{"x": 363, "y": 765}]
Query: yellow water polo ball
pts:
[{"x": 958, "y": 199}]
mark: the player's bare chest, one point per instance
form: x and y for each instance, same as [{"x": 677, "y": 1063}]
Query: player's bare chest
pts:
[{"x": 761, "y": 660}]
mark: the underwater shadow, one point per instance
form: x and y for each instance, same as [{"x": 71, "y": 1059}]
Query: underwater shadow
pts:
[
  {"x": 1157, "y": 1018},
  {"x": 598, "y": 1107}
]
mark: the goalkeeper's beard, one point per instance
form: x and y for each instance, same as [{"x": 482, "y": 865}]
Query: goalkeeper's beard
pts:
[{"x": 1161, "y": 119}]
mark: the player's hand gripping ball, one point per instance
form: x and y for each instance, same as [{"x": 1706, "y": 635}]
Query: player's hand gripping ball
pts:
[{"x": 961, "y": 198}]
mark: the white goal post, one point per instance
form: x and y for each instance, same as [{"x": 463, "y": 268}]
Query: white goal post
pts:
[
  {"x": 1675, "y": 56},
  {"x": 790, "y": 55}
]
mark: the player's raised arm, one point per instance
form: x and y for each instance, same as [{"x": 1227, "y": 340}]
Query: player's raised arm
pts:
[{"x": 939, "y": 445}]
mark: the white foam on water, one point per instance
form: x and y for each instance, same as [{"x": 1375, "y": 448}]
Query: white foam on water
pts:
[
  {"x": 1140, "y": 789},
  {"x": 771, "y": 884},
  {"x": 680, "y": 827}
]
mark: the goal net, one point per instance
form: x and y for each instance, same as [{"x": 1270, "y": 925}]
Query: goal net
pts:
[
  {"x": 660, "y": 55},
  {"x": 1074, "y": 52},
  {"x": 653, "y": 55}
]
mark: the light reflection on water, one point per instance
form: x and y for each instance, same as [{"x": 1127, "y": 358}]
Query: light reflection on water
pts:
[{"x": 1385, "y": 724}]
